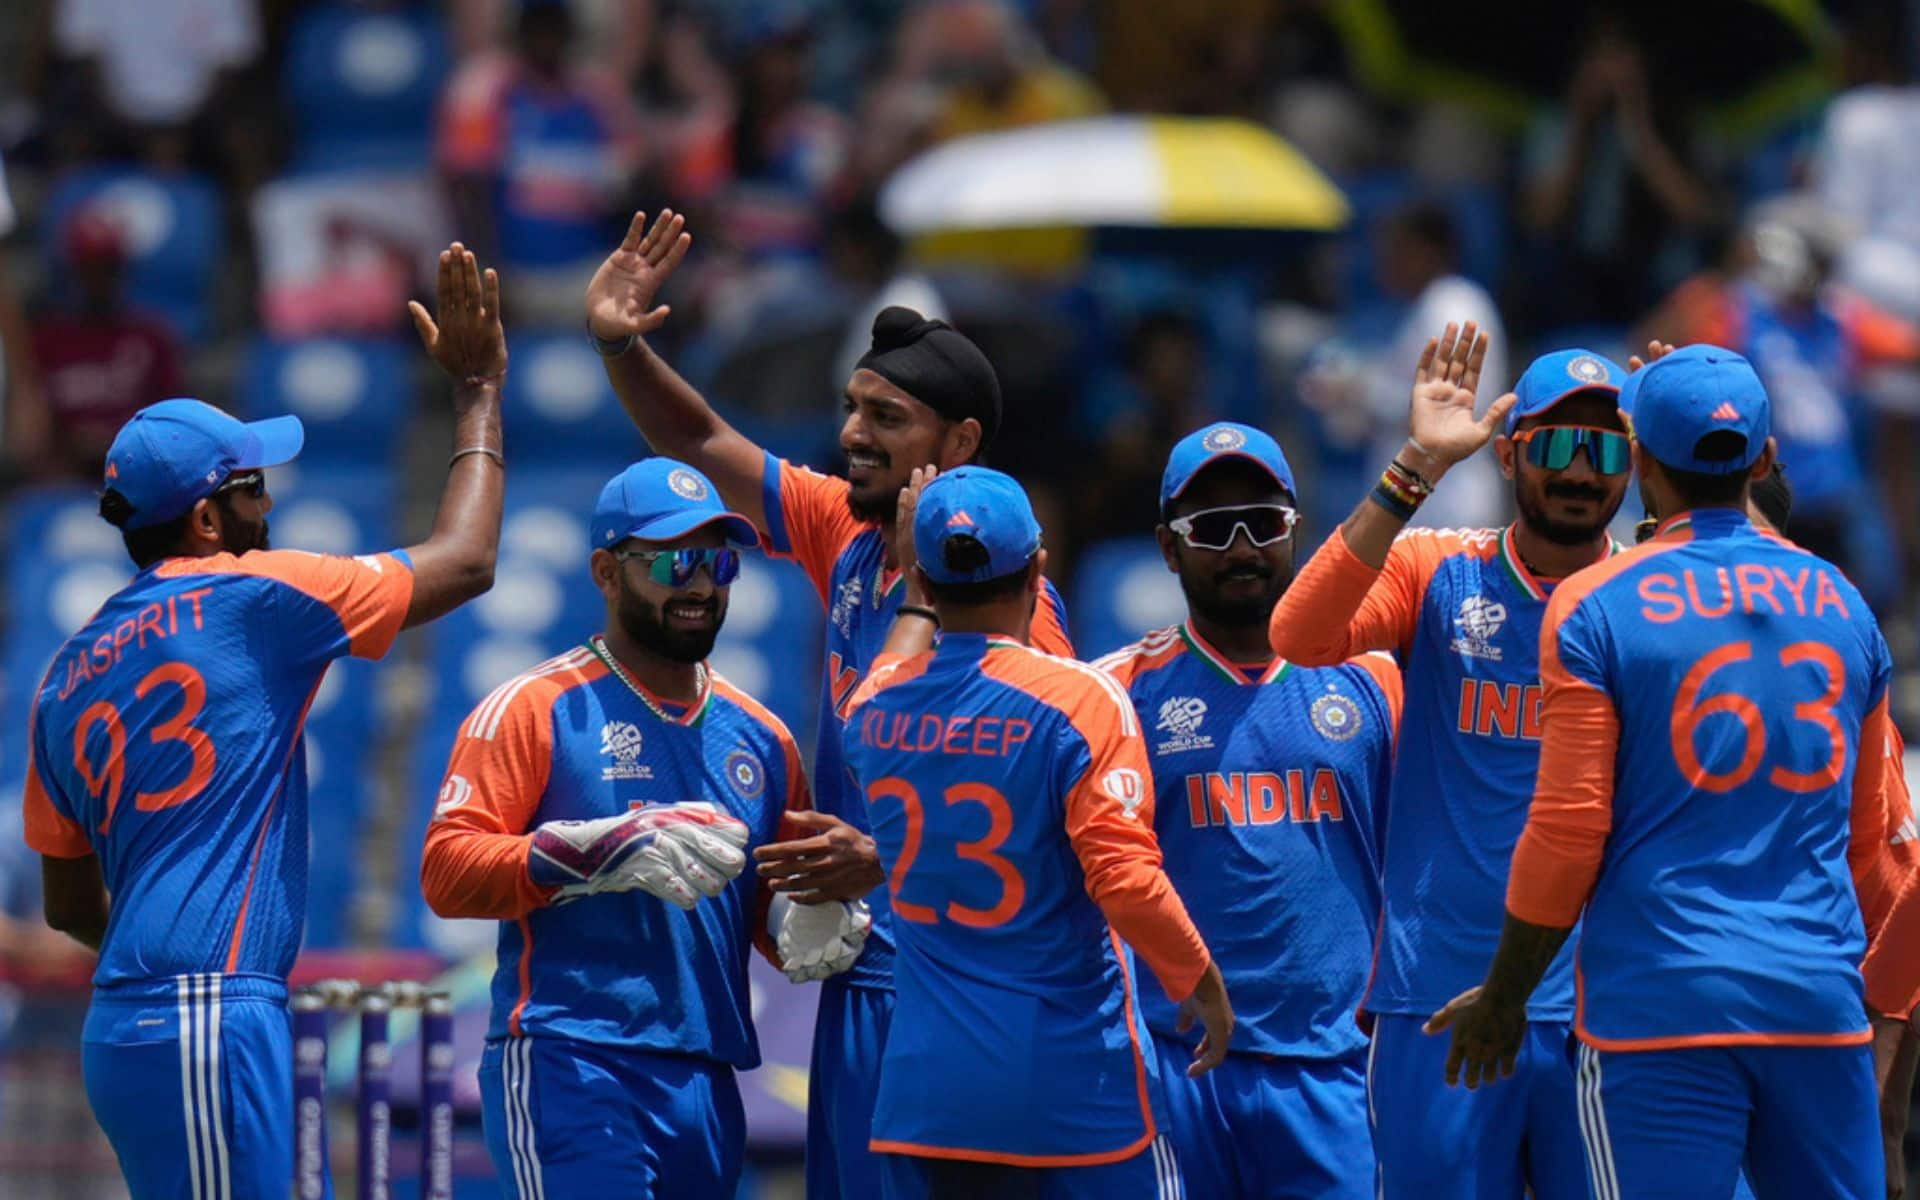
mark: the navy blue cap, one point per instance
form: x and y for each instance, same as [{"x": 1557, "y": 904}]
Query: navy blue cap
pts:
[
  {"x": 1225, "y": 439},
  {"x": 1697, "y": 390},
  {"x": 983, "y": 504},
  {"x": 658, "y": 500},
  {"x": 1551, "y": 378},
  {"x": 171, "y": 455}
]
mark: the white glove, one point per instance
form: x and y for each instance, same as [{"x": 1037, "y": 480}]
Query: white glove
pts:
[
  {"x": 818, "y": 940},
  {"x": 678, "y": 852}
]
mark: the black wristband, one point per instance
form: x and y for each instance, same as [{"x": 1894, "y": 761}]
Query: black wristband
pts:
[
  {"x": 610, "y": 349},
  {"x": 1391, "y": 503},
  {"x": 920, "y": 610}
]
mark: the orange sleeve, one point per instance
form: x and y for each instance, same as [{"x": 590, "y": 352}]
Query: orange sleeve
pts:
[
  {"x": 1903, "y": 835},
  {"x": 475, "y": 861},
  {"x": 1892, "y": 965},
  {"x": 1109, "y": 812},
  {"x": 1049, "y": 632},
  {"x": 1558, "y": 856},
  {"x": 359, "y": 604},
  {"x": 1875, "y": 878},
  {"x": 1878, "y": 337},
  {"x": 887, "y": 670},
  {"x": 1386, "y": 673},
  {"x": 472, "y": 129},
  {"x": 49, "y": 830},
  {"x": 1339, "y": 606},
  {"x": 807, "y": 519},
  {"x": 799, "y": 799}
]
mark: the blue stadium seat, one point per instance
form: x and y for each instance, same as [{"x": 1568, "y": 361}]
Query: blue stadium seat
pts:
[
  {"x": 337, "y": 790},
  {"x": 1121, "y": 590},
  {"x": 174, "y": 232},
  {"x": 350, "y": 393},
  {"x": 562, "y": 410},
  {"x": 61, "y": 562},
  {"x": 362, "y": 84}
]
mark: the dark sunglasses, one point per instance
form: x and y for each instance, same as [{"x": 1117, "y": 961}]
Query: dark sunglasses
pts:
[
  {"x": 253, "y": 483},
  {"x": 1215, "y": 528},
  {"x": 1553, "y": 447},
  {"x": 676, "y": 568}
]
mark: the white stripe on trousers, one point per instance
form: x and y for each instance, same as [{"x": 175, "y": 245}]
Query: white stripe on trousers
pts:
[
  {"x": 1593, "y": 1128},
  {"x": 1166, "y": 1169},
  {"x": 208, "y": 1168},
  {"x": 516, "y": 1069}
]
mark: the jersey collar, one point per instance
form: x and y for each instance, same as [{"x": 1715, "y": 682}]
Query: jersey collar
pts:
[
  {"x": 1526, "y": 580},
  {"x": 1276, "y": 670},
  {"x": 703, "y": 687}
]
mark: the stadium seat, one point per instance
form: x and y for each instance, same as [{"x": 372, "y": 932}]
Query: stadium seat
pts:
[
  {"x": 175, "y": 237},
  {"x": 350, "y": 393},
  {"x": 1121, "y": 590},
  {"x": 361, "y": 85},
  {"x": 561, "y": 409},
  {"x": 61, "y": 562}
]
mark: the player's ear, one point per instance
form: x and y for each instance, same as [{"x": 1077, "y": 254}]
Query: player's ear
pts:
[
  {"x": 204, "y": 524},
  {"x": 961, "y": 445},
  {"x": 1506, "y": 450},
  {"x": 1037, "y": 572},
  {"x": 1168, "y": 552},
  {"x": 1763, "y": 466},
  {"x": 605, "y": 569}
]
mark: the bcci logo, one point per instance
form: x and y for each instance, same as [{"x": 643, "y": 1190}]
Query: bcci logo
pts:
[
  {"x": 1222, "y": 438},
  {"x": 844, "y": 607},
  {"x": 743, "y": 772},
  {"x": 686, "y": 484},
  {"x": 1336, "y": 717},
  {"x": 1588, "y": 369},
  {"x": 621, "y": 741},
  {"x": 1126, "y": 787},
  {"x": 453, "y": 793},
  {"x": 1180, "y": 718},
  {"x": 1478, "y": 621}
]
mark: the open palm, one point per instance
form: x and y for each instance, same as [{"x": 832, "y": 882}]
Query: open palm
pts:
[
  {"x": 1441, "y": 418},
  {"x": 464, "y": 334},
  {"x": 620, "y": 298}
]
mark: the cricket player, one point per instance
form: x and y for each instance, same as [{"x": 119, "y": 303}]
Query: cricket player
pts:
[
  {"x": 922, "y": 395},
  {"x": 167, "y": 768},
  {"x": 1461, "y": 610},
  {"x": 600, "y": 808},
  {"x": 1710, "y": 792},
  {"x": 1013, "y": 806},
  {"x": 1271, "y": 783}
]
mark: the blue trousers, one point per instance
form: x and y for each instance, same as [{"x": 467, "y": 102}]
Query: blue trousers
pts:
[
  {"x": 1803, "y": 1120},
  {"x": 1435, "y": 1142},
  {"x": 192, "y": 1080},
  {"x": 1269, "y": 1128},
  {"x": 1152, "y": 1174},
  {"x": 849, "y": 1036},
  {"x": 574, "y": 1119}
]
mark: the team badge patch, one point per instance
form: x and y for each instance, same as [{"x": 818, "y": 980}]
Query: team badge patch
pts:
[
  {"x": 1223, "y": 438},
  {"x": 1336, "y": 717},
  {"x": 1587, "y": 369},
  {"x": 744, "y": 773},
  {"x": 686, "y": 484}
]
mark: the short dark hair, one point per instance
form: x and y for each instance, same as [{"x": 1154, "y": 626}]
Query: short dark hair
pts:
[
  {"x": 1773, "y": 496},
  {"x": 963, "y": 553},
  {"x": 149, "y": 543}
]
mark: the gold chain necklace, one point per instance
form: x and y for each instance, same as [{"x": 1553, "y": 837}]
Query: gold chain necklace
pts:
[{"x": 598, "y": 645}]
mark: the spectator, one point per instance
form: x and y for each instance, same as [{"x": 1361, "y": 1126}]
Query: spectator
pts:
[
  {"x": 538, "y": 151},
  {"x": 157, "y": 62},
  {"x": 1417, "y": 256},
  {"x": 1612, "y": 193},
  {"x": 19, "y": 387},
  {"x": 1200, "y": 56},
  {"x": 97, "y": 361}
]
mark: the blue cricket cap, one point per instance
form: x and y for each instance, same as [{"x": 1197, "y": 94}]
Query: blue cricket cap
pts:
[
  {"x": 1224, "y": 439},
  {"x": 1551, "y": 378},
  {"x": 980, "y": 503},
  {"x": 658, "y": 500},
  {"x": 171, "y": 455},
  {"x": 1678, "y": 400}
]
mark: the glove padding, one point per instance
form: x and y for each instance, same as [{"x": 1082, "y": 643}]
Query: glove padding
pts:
[
  {"x": 818, "y": 940},
  {"x": 678, "y": 852}
]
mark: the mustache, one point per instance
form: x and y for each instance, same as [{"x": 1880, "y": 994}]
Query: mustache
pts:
[
  {"x": 1260, "y": 571},
  {"x": 1576, "y": 491}
]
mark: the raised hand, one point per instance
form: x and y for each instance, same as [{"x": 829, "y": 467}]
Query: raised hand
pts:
[
  {"x": 620, "y": 297},
  {"x": 467, "y": 339},
  {"x": 1441, "y": 416},
  {"x": 904, "y": 555},
  {"x": 1656, "y": 350}
]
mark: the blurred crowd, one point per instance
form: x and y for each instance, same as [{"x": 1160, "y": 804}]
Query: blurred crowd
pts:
[{"x": 186, "y": 181}]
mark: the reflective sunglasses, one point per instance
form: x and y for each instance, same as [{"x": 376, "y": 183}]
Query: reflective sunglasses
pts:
[
  {"x": 676, "y": 568},
  {"x": 1215, "y": 528},
  {"x": 253, "y": 483},
  {"x": 1553, "y": 447}
]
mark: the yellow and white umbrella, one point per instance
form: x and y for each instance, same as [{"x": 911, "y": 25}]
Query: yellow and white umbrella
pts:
[{"x": 1151, "y": 172}]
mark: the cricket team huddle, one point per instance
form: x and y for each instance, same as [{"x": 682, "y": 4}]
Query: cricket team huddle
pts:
[{"x": 1429, "y": 864}]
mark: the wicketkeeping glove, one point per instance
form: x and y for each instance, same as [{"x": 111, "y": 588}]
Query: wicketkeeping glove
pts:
[
  {"x": 678, "y": 852},
  {"x": 818, "y": 940}
]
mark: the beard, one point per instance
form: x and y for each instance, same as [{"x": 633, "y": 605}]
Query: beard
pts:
[
  {"x": 873, "y": 510},
  {"x": 647, "y": 625},
  {"x": 238, "y": 538},
  {"x": 1205, "y": 595},
  {"x": 1565, "y": 533}
]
